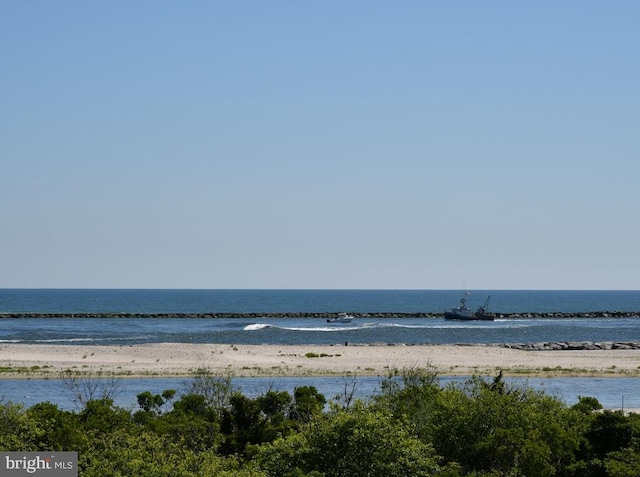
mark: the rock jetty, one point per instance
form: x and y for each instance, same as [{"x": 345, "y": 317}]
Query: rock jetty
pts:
[
  {"x": 572, "y": 345},
  {"x": 324, "y": 315}
]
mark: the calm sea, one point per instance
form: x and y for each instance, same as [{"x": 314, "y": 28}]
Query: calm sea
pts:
[
  {"x": 269, "y": 301},
  {"x": 105, "y": 331},
  {"x": 111, "y": 331}
]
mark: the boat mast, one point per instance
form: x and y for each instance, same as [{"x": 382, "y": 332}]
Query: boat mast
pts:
[{"x": 486, "y": 304}]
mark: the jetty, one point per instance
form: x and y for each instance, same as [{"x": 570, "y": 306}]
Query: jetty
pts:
[{"x": 320, "y": 315}]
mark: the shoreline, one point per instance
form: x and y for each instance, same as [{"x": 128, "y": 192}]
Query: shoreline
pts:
[{"x": 162, "y": 360}]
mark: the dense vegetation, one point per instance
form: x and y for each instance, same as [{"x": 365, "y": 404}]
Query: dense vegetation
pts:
[{"x": 412, "y": 427}]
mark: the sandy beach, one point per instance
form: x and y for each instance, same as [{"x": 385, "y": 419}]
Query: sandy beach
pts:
[{"x": 179, "y": 359}]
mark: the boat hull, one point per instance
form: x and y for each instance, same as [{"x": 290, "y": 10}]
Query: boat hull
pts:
[{"x": 465, "y": 317}]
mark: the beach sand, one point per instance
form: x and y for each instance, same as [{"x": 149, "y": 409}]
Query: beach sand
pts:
[{"x": 179, "y": 359}]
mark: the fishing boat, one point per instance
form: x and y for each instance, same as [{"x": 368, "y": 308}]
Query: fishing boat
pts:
[
  {"x": 463, "y": 312},
  {"x": 341, "y": 318}
]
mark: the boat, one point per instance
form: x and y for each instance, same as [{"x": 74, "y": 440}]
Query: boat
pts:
[
  {"x": 341, "y": 318},
  {"x": 463, "y": 312}
]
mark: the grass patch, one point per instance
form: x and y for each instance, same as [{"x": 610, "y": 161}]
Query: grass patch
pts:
[
  {"x": 321, "y": 355},
  {"x": 24, "y": 370}
]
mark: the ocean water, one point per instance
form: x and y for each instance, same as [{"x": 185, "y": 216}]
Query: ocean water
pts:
[
  {"x": 612, "y": 392},
  {"x": 259, "y": 330},
  {"x": 410, "y": 331},
  {"x": 270, "y": 301}
]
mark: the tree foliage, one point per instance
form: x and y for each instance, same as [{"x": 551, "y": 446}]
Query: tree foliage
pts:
[
  {"x": 412, "y": 426},
  {"x": 357, "y": 442}
]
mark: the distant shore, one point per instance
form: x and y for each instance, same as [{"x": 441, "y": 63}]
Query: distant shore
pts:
[{"x": 179, "y": 359}]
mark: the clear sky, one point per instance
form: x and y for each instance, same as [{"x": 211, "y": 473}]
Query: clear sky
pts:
[{"x": 329, "y": 144}]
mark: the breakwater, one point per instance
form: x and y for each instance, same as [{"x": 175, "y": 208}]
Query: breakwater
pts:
[
  {"x": 323, "y": 315},
  {"x": 572, "y": 345}
]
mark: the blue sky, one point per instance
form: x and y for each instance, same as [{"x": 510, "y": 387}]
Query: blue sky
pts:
[{"x": 288, "y": 144}]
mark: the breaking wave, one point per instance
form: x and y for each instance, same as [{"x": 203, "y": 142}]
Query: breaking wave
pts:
[{"x": 371, "y": 326}]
